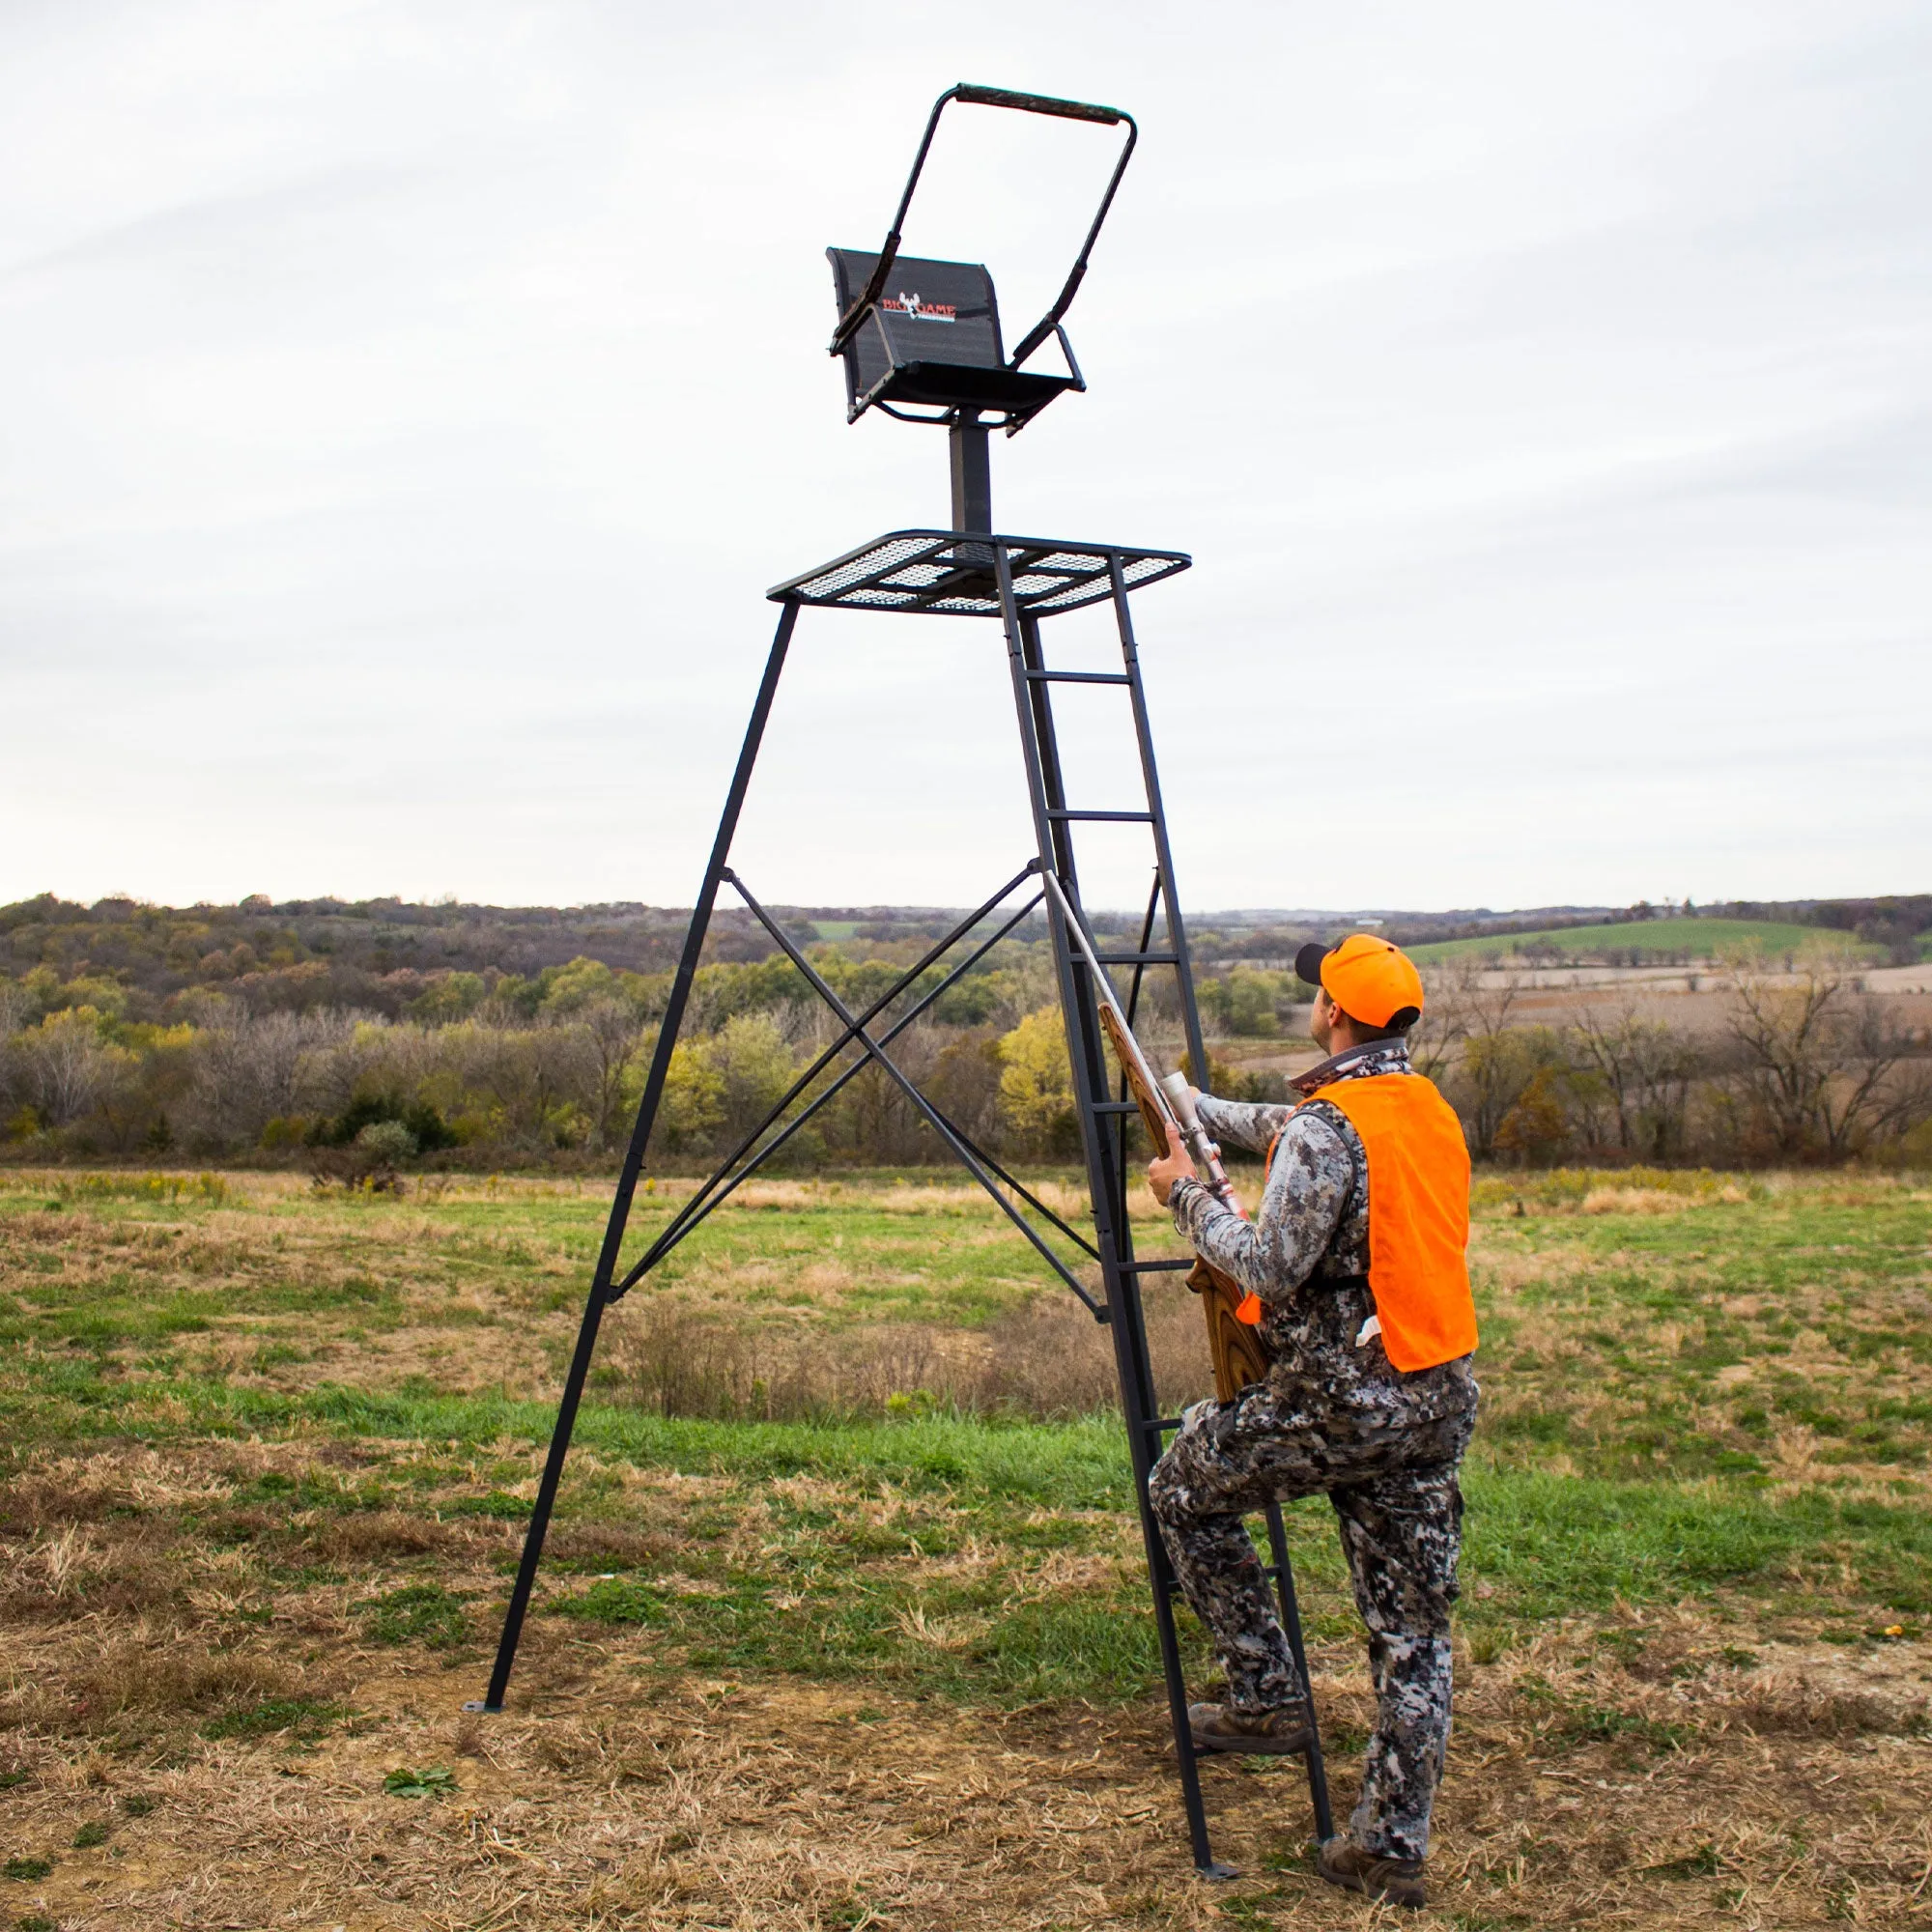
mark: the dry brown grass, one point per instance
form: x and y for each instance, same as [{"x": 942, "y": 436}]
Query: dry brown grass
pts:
[
  {"x": 1044, "y": 1358},
  {"x": 609, "y": 1797},
  {"x": 1674, "y": 1767}
]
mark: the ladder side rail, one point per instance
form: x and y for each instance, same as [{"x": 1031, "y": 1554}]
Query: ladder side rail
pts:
[
  {"x": 1085, "y": 1044},
  {"x": 1291, "y": 1619},
  {"x": 1176, "y": 930},
  {"x": 634, "y": 1162},
  {"x": 1056, "y": 828},
  {"x": 1177, "y": 933},
  {"x": 1129, "y": 1338},
  {"x": 1131, "y": 1342},
  {"x": 1086, "y": 1053}
]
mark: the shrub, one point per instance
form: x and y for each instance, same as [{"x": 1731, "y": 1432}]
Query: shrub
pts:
[
  {"x": 426, "y": 1127},
  {"x": 387, "y": 1143},
  {"x": 1537, "y": 1125}
]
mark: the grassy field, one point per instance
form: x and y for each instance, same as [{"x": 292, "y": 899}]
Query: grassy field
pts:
[
  {"x": 885, "y": 1659},
  {"x": 1701, "y": 938}
]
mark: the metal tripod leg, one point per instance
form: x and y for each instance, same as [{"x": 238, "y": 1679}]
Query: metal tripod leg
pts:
[{"x": 634, "y": 1162}]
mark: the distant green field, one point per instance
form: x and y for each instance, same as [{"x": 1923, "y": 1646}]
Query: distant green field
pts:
[{"x": 1703, "y": 938}]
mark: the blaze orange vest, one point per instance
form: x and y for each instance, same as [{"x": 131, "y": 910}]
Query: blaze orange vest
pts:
[{"x": 1418, "y": 1215}]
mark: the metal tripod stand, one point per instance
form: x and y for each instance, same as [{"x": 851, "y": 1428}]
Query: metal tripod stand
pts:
[
  {"x": 1020, "y": 582},
  {"x": 916, "y": 334}
]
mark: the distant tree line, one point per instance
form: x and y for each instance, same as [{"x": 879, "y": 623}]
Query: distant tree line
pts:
[
  {"x": 308, "y": 1059},
  {"x": 293, "y": 1035}
]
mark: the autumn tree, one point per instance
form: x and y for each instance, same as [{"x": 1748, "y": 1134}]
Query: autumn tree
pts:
[
  {"x": 1817, "y": 1064},
  {"x": 1036, "y": 1085}
]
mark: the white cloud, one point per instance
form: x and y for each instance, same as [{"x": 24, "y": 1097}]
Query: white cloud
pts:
[{"x": 408, "y": 405}]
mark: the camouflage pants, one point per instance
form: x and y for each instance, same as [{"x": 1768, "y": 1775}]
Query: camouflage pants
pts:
[{"x": 1393, "y": 1485}]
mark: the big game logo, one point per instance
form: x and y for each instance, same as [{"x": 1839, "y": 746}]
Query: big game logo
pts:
[{"x": 918, "y": 310}]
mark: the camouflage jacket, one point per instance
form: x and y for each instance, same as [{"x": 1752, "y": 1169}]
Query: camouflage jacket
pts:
[{"x": 1306, "y": 1252}]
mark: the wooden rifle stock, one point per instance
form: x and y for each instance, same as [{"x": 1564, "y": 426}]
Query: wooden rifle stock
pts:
[{"x": 1234, "y": 1347}]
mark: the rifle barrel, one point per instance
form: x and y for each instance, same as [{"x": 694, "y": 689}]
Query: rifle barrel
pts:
[{"x": 1176, "y": 1111}]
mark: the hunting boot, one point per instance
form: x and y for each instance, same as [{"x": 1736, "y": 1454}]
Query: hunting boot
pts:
[
  {"x": 1282, "y": 1733},
  {"x": 1344, "y": 1863}
]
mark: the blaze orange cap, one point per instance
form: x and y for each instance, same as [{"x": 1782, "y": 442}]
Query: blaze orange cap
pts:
[{"x": 1370, "y": 980}]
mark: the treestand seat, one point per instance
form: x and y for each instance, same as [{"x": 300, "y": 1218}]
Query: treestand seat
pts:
[{"x": 932, "y": 338}]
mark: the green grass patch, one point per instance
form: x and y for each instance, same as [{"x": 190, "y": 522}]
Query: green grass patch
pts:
[
  {"x": 1646, "y": 1373},
  {"x": 424, "y": 1613},
  {"x": 613, "y": 1600},
  {"x": 1655, "y": 938},
  {"x": 302, "y": 1718}
]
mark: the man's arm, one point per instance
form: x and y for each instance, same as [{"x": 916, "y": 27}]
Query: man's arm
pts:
[
  {"x": 1301, "y": 1207},
  {"x": 1251, "y": 1124}
]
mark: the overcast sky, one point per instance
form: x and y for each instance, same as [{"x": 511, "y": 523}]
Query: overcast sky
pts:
[{"x": 405, "y": 406}]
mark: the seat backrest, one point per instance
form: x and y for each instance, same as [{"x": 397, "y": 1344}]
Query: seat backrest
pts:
[{"x": 933, "y": 312}]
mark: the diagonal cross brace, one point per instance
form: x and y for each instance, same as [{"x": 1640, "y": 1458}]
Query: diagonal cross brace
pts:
[
  {"x": 931, "y": 1114},
  {"x": 706, "y": 1198},
  {"x": 717, "y": 1190}
]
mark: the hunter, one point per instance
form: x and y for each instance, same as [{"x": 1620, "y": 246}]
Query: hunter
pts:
[{"x": 1355, "y": 1269}]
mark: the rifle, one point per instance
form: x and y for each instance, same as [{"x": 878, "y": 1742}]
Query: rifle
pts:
[{"x": 1234, "y": 1344}]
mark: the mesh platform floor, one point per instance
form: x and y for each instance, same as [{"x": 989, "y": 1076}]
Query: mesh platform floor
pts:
[{"x": 951, "y": 574}]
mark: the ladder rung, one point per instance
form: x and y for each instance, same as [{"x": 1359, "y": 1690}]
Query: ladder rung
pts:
[
  {"x": 1157, "y": 1268},
  {"x": 1116, "y": 1106},
  {"x": 1165, "y": 1422},
  {"x": 1138, "y": 959},
  {"x": 1116, "y": 817},
  {"x": 1079, "y": 678}
]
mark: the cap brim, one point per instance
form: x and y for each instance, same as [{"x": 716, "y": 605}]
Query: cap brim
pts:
[{"x": 1308, "y": 963}]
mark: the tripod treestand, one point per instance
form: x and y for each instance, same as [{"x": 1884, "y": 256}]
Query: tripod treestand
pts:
[{"x": 966, "y": 571}]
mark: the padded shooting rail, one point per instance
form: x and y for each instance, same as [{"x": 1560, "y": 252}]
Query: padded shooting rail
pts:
[
  {"x": 945, "y": 353},
  {"x": 952, "y": 575}
]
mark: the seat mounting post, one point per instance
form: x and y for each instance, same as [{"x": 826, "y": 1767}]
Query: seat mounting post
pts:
[{"x": 972, "y": 473}]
